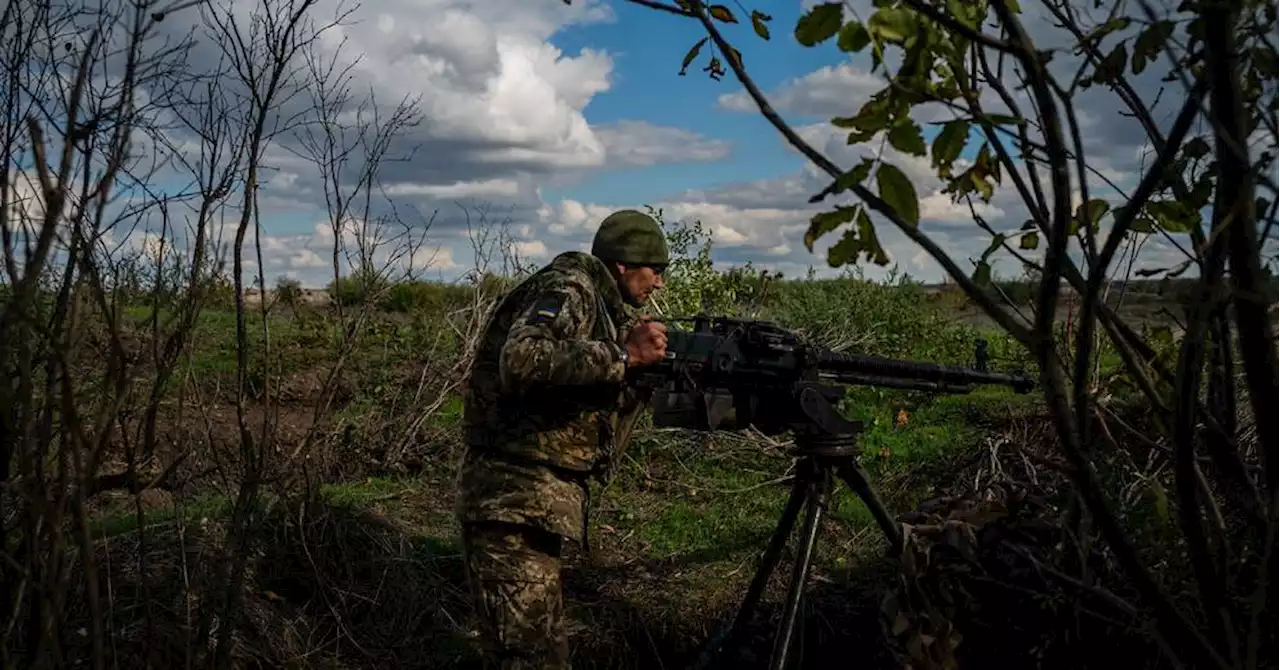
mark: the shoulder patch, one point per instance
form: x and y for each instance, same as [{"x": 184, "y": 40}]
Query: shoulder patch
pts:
[{"x": 546, "y": 309}]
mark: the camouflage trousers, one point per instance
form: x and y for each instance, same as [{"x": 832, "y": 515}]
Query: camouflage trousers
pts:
[{"x": 513, "y": 572}]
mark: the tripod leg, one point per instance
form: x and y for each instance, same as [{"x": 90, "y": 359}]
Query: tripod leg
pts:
[
  {"x": 857, "y": 480},
  {"x": 800, "y": 572},
  {"x": 768, "y": 563}
]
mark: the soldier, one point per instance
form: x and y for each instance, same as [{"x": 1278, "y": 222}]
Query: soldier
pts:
[{"x": 546, "y": 408}]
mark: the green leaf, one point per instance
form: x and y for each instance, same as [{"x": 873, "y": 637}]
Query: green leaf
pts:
[
  {"x": 963, "y": 12},
  {"x": 899, "y": 193},
  {"x": 759, "y": 22},
  {"x": 1112, "y": 66},
  {"x": 734, "y": 56},
  {"x": 1143, "y": 224},
  {"x": 853, "y": 37},
  {"x": 997, "y": 241},
  {"x": 692, "y": 54},
  {"x": 980, "y": 184},
  {"x": 855, "y": 176},
  {"x": 1196, "y": 147},
  {"x": 1173, "y": 216},
  {"x": 891, "y": 24},
  {"x": 1029, "y": 241},
  {"x": 905, "y": 136},
  {"x": 722, "y": 13},
  {"x": 1097, "y": 34},
  {"x": 870, "y": 119},
  {"x": 861, "y": 239},
  {"x": 871, "y": 241},
  {"x": 1150, "y": 44},
  {"x": 949, "y": 143},
  {"x": 982, "y": 274},
  {"x": 844, "y": 251},
  {"x": 825, "y": 222},
  {"x": 820, "y": 23},
  {"x": 1097, "y": 208}
]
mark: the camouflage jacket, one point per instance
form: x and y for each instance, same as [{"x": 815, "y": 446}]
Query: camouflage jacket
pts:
[{"x": 546, "y": 400}]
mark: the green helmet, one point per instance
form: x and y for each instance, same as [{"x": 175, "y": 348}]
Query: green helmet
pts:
[{"x": 630, "y": 237}]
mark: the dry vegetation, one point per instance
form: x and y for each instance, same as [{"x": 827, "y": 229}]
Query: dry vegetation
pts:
[{"x": 196, "y": 478}]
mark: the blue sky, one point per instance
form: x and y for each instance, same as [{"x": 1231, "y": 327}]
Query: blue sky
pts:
[{"x": 648, "y": 47}]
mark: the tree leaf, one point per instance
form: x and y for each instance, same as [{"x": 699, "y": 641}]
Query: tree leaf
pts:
[
  {"x": 1143, "y": 224},
  {"x": 982, "y": 274},
  {"x": 692, "y": 54},
  {"x": 722, "y": 13},
  {"x": 1196, "y": 147},
  {"x": 1097, "y": 208},
  {"x": 963, "y": 12},
  {"x": 1112, "y": 66},
  {"x": 949, "y": 144},
  {"x": 853, "y": 37},
  {"x": 855, "y": 176},
  {"x": 820, "y": 23},
  {"x": 1150, "y": 43},
  {"x": 734, "y": 56},
  {"x": 825, "y": 222},
  {"x": 899, "y": 193},
  {"x": 905, "y": 136},
  {"x": 1173, "y": 216},
  {"x": 871, "y": 118},
  {"x": 759, "y": 22},
  {"x": 870, "y": 241},
  {"x": 858, "y": 240},
  {"x": 997, "y": 241},
  {"x": 891, "y": 24}
]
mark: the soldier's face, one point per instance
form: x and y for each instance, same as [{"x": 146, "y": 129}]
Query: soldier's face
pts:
[{"x": 639, "y": 282}]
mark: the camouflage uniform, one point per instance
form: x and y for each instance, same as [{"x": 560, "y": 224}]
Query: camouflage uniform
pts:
[{"x": 545, "y": 408}]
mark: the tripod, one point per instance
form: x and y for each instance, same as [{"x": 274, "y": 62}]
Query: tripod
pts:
[{"x": 826, "y": 448}]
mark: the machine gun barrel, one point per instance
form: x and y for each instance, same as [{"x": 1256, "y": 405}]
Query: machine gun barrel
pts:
[{"x": 913, "y": 375}]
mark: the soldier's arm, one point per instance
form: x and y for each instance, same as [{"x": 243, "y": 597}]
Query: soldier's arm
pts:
[{"x": 549, "y": 343}]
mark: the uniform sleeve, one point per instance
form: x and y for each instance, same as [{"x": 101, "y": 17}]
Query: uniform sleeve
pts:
[{"x": 549, "y": 343}]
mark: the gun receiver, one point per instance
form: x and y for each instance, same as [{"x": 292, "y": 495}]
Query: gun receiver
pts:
[{"x": 731, "y": 373}]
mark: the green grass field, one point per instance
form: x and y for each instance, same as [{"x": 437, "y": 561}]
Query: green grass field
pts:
[{"x": 367, "y": 572}]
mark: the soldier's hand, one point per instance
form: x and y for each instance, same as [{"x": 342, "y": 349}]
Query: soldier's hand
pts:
[{"x": 646, "y": 343}]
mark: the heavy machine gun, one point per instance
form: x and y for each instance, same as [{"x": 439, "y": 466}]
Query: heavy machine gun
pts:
[{"x": 728, "y": 374}]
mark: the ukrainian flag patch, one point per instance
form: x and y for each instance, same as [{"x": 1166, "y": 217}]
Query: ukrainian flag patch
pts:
[{"x": 547, "y": 309}]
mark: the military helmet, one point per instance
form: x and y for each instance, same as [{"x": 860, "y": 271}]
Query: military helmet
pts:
[{"x": 631, "y": 237}]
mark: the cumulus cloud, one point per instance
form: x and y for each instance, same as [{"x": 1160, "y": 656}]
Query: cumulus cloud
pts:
[
  {"x": 641, "y": 144},
  {"x": 832, "y": 90},
  {"x": 502, "y": 110}
]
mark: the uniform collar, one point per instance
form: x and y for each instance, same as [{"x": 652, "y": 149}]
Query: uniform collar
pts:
[{"x": 604, "y": 282}]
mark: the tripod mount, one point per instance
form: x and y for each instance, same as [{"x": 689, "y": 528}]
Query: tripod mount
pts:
[{"x": 826, "y": 448}]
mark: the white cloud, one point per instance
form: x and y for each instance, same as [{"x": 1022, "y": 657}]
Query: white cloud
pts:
[
  {"x": 534, "y": 249},
  {"x": 488, "y": 188},
  {"x": 639, "y": 143},
  {"x": 832, "y": 90}
]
